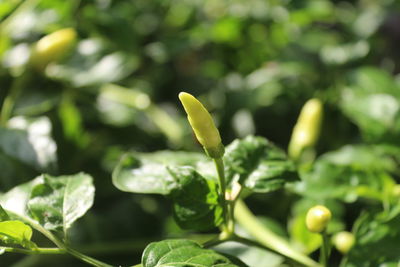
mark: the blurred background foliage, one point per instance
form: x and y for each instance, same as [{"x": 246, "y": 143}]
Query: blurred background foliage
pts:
[{"x": 253, "y": 63}]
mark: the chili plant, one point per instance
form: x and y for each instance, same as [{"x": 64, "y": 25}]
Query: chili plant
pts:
[
  {"x": 203, "y": 198},
  {"x": 206, "y": 191}
]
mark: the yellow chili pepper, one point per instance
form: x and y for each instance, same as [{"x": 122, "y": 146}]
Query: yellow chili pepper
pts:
[
  {"x": 307, "y": 129},
  {"x": 317, "y": 218},
  {"x": 52, "y": 47},
  {"x": 203, "y": 125}
]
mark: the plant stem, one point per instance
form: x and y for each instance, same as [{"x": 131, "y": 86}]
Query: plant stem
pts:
[
  {"x": 266, "y": 237},
  {"x": 34, "y": 250},
  {"x": 214, "y": 242},
  {"x": 9, "y": 101},
  {"x": 219, "y": 165},
  {"x": 61, "y": 246},
  {"x": 324, "y": 249},
  {"x": 86, "y": 258}
]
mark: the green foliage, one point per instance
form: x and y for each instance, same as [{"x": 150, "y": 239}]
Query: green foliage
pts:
[
  {"x": 16, "y": 232},
  {"x": 148, "y": 173},
  {"x": 52, "y": 202},
  {"x": 261, "y": 166},
  {"x": 57, "y": 202},
  {"x": 181, "y": 253},
  {"x": 377, "y": 236},
  {"x": 3, "y": 215},
  {"x": 258, "y": 165},
  {"x": 372, "y": 102},
  {"x": 196, "y": 202},
  {"x": 253, "y": 64},
  {"x": 349, "y": 173}
]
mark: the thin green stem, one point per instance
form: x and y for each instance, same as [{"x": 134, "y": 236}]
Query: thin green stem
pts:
[
  {"x": 34, "y": 250},
  {"x": 86, "y": 258},
  {"x": 214, "y": 242},
  {"x": 219, "y": 165},
  {"x": 9, "y": 102},
  {"x": 59, "y": 243},
  {"x": 266, "y": 237},
  {"x": 324, "y": 256}
]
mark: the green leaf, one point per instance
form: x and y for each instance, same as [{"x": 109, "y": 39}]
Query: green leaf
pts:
[
  {"x": 258, "y": 165},
  {"x": 53, "y": 202},
  {"x": 15, "y": 201},
  {"x": 349, "y": 173},
  {"x": 371, "y": 101},
  {"x": 182, "y": 253},
  {"x": 57, "y": 202},
  {"x": 147, "y": 172},
  {"x": 3, "y": 215},
  {"x": 16, "y": 232},
  {"x": 26, "y": 147},
  {"x": 377, "y": 239},
  {"x": 196, "y": 200},
  {"x": 33, "y": 138},
  {"x": 306, "y": 240},
  {"x": 15, "y": 144},
  {"x": 87, "y": 70}
]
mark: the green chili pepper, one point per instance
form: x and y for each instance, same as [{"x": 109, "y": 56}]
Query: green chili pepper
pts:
[
  {"x": 203, "y": 125},
  {"x": 307, "y": 129}
]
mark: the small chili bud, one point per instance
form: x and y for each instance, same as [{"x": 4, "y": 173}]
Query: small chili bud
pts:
[
  {"x": 52, "y": 47},
  {"x": 318, "y": 218},
  {"x": 203, "y": 125},
  {"x": 344, "y": 241},
  {"x": 307, "y": 129},
  {"x": 396, "y": 191}
]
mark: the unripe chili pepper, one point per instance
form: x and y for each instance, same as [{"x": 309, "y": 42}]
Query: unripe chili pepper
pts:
[
  {"x": 344, "y": 241},
  {"x": 318, "y": 218},
  {"x": 203, "y": 125},
  {"x": 52, "y": 47},
  {"x": 307, "y": 129}
]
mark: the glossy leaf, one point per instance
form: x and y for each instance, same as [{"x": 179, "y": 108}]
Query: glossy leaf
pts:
[
  {"x": 57, "y": 202},
  {"x": 15, "y": 201},
  {"x": 16, "y": 232},
  {"x": 147, "y": 172},
  {"x": 196, "y": 201},
  {"x": 182, "y": 253},
  {"x": 258, "y": 165}
]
